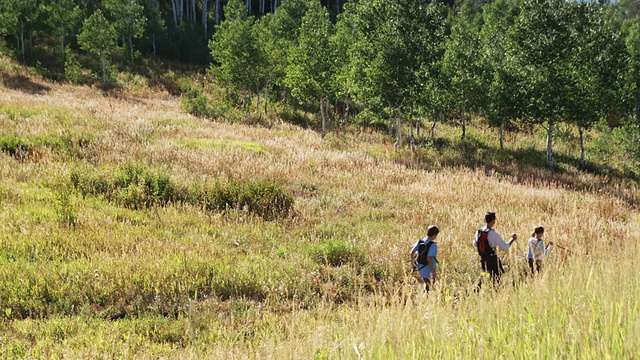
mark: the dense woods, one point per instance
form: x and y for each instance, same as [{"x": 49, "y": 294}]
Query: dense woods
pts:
[{"x": 401, "y": 64}]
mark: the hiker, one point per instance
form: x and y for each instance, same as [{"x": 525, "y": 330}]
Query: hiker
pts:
[
  {"x": 423, "y": 256},
  {"x": 537, "y": 250},
  {"x": 487, "y": 241}
]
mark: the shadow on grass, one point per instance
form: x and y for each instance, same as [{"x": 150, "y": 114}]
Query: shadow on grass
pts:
[
  {"x": 298, "y": 118},
  {"x": 528, "y": 166},
  {"x": 23, "y": 83}
]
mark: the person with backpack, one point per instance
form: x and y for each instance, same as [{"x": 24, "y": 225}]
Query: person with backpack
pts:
[
  {"x": 488, "y": 241},
  {"x": 537, "y": 250},
  {"x": 423, "y": 256}
]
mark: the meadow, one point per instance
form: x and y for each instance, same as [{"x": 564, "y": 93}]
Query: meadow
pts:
[{"x": 131, "y": 229}]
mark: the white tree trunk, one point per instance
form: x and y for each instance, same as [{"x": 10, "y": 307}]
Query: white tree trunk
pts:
[
  {"x": 412, "y": 139},
  {"x": 193, "y": 14},
  {"x": 582, "y": 149},
  {"x": 432, "y": 132},
  {"x": 636, "y": 136},
  {"x": 323, "y": 116},
  {"x": 501, "y": 136},
  {"x": 217, "y": 12},
  {"x": 463, "y": 138},
  {"x": 180, "y": 11},
  {"x": 22, "y": 40},
  {"x": 205, "y": 17},
  {"x": 327, "y": 113},
  {"x": 174, "y": 7},
  {"x": 398, "y": 132},
  {"x": 104, "y": 69},
  {"x": 346, "y": 111},
  {"x": 550, "y": 144}
]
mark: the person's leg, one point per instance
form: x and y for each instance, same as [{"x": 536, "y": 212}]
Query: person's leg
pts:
[
  {"x": 493, "y": 267},
  {"x": 539, "y": 265},
  {"x": 427, "y": 284},
  {"x": 531, "y": 266}
]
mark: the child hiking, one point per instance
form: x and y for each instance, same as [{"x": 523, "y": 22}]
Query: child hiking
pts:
[
  {"x": 423, "y": 256},
  {"x": 487, "y": 241},
  {"x": 537, "y": 250}
]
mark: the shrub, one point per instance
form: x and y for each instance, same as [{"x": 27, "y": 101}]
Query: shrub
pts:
[
  {"x": 336, "y": 253},
  {"x": 15, "y": 145},
  {"x": 132, "y": 185},
  {"x": 140, "y": 187},
  {"x": 73, "y": 71},
  {"x": 66, "y": 209},
  {"x": 136, "y": 186},
  {"x": 265, "y": 199},
  {"x": 195, "y": 102}
]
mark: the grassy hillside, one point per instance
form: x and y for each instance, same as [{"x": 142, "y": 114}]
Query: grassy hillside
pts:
[{"x": 129, "y": 229}]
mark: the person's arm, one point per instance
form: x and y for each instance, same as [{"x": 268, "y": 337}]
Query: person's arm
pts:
[
  {"x": 414, "y": 264},
  {"x": 548, "y": 249},
  {"x": 433, "y": 267},
  {"x": 496, "y": 241}
]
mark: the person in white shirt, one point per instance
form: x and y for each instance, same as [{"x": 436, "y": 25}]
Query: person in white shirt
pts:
[
  {"x": 487, "y": 241},
  {"x": 537, "y": 250}
]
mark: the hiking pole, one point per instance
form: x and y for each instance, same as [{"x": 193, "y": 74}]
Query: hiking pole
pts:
[{"x": 563, "y": 247}]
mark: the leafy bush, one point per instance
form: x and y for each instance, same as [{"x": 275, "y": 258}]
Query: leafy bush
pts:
[
  {"x": 194, "y": 100},
  {"x": 15, "y": 145},
  {"x": 266, "y": 199},
  {"x": 66, "y": 209},
  {"x": 336, "y": 253},
  {"x": 136, "y": 186},
  {"x": 132, "y": 185},
  {"x": 73, "y": 71}
]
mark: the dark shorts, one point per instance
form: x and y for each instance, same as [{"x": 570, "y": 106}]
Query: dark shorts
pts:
[
  {"x": 492, "y": 265},
  {"x": 537, "y": 267}
]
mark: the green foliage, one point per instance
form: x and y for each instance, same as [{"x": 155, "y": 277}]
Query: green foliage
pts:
[
  {"x": 127, "y": 17},
  {"x": 132, "y": 185},
  {"x": 14, "y": 145},
  {"x": 462, "y": 61},
  {"x": 67, "y": 143},
  {"x": 63, "y": 18},
  {"x": 234, "y": 49},
  {"x": 137, "y": 186},
  {"x": 17, "y": 19},
  {"x": 66, "y": 208},
  {"x": 265, "y": 199},
  {"x": 195, "y": 102},
  {"x": 98, "y": 38},
  {"x": 503, "y": 105},
  {"x": 310, "y": 69},
  {"x": 336, "y": 253},
  {"x": 73, "y": 71},
  {"x": 277, "y": 35}
]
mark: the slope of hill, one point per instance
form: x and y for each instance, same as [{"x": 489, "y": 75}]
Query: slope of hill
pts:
[{"x": 111, "y": 245}]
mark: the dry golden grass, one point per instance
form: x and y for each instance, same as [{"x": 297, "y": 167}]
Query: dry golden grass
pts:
[{"x": 355, "y": 190}]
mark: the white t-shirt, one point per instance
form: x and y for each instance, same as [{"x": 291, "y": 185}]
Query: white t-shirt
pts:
[
  {"x": 537, "y": 251},
  {"x": 495, "y": 240}
]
